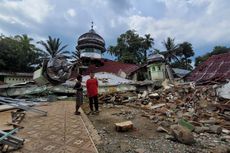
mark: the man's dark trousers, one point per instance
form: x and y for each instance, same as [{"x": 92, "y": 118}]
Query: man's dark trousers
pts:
[{"x": 93, "y": 100}]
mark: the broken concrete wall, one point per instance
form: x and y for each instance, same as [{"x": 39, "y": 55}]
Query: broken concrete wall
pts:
[{"x": 224, "y": 91}]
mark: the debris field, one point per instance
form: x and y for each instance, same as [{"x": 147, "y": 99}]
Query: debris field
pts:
[{"x": 193, "y": 118}]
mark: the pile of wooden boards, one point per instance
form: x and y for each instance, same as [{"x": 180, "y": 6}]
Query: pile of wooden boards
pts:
[
  {"x": 10, "y": 118},
  {"x": 12, "y": 112}
]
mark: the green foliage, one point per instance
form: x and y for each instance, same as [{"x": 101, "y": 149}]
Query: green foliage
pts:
[
  {"x": 18, "y": 54},
  {"x": 171, "y": 50},
  {"x": 216, "y": 50},
  {"x": 183, "y": 64},
  {"x": 184, "y": 53},
  {"x": 53, "y": 47},
  {"x": 132, "y": 48},
  {"x": 178, "y": 55},
  {"x": 76, "y": 60},
  {"x": 76, "y": 56}
]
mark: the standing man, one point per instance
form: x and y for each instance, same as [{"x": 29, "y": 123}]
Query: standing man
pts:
[
  {"x": 79, "y": 94},
  {"x": 92, "y": 91}
]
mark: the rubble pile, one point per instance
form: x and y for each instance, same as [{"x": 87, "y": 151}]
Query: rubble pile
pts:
[
  {"x": 198, "y": 109},
  {"x": 118, "y": 98},
  {"x": 198, "y": 105}
]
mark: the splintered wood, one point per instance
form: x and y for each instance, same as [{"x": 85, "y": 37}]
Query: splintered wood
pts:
[
  {"x": 124, "y": 126},
  {"x": 5, "y": 118}
]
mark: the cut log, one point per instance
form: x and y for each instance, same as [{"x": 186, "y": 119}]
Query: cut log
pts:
[
  {"x": 215, "y": 129},
  {"x": 124, "y": 126},
  {"x": 201, "y": 129}
]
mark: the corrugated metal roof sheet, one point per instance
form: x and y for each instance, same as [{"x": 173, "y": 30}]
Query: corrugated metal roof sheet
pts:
[
  {"x": 215, "y": 68},
  {"x": 113, "y": 67}
]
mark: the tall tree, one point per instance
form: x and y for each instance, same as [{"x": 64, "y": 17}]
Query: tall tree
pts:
[
  {"x": 18, "y": 54},
  {"x": 171, "y": 50},
  {"x": 76, "y": 56},
  {"x": 148, "y": 43},
  {"x": 216, "y": 50},
  {"x": 53, "y": 47},
  {"x": 131, "y": 48},
  {"x": 184, "y": 53},
  {"x": 76, "y": 61},
  {"x": 178, "y": 55}
]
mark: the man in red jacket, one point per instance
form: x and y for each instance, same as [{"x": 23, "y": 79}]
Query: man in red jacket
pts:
[{"x": 92, "y": 91}]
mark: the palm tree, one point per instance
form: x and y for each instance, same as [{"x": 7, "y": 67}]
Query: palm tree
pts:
[
  {"x": 53, "y": 47},
  {"x": 148, "y": 43},
  {"x": 24, "y": 38},
  {"x": 26, "y": 42},
  {"x": 76, "y": 61},
  {"x": 171, "y": 50}
]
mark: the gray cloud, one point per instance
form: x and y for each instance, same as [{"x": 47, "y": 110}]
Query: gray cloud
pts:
[{"x": 204, "y": 23}]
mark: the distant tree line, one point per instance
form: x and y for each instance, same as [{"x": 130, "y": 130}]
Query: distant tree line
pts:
[
  {"x": 133, "y": 48},
  {"x": 20, "y": 54}
]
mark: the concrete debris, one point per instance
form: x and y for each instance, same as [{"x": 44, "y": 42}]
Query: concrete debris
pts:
[
  {"x": 221, "y": 149},
  {"x": 154, "y": 95},
  {"x": 191, "y": 109},
  {"x": 157, "y": 106},
  {"x": 226, "y": 131},
  {"x": 182, "y": 112},
  {"x": 166, "y": 84},
  {"x": 145, "y": 93},
  {"x": 224, "y": 91},
  {"x": 126, "y": 114},
  {"x": 225, "y": 138}
]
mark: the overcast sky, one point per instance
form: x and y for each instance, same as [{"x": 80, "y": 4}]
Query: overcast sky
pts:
[{"x": 204, "y": 23}]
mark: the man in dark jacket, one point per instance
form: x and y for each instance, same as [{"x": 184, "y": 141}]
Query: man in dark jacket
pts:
[{"x": 79, "y": 94}]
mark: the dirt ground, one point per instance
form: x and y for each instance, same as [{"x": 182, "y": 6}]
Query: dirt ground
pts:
[{"x": 144, "y": 137}]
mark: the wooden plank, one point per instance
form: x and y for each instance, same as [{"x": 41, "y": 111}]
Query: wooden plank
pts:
[
  {"x": 5, "y": 118},
  {"x": 6, "y": 107}
]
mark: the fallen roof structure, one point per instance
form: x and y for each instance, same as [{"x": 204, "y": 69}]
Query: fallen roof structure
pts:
[
  {"x": 114, "y": 67},
  {"x": 214, "y": 69}
]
